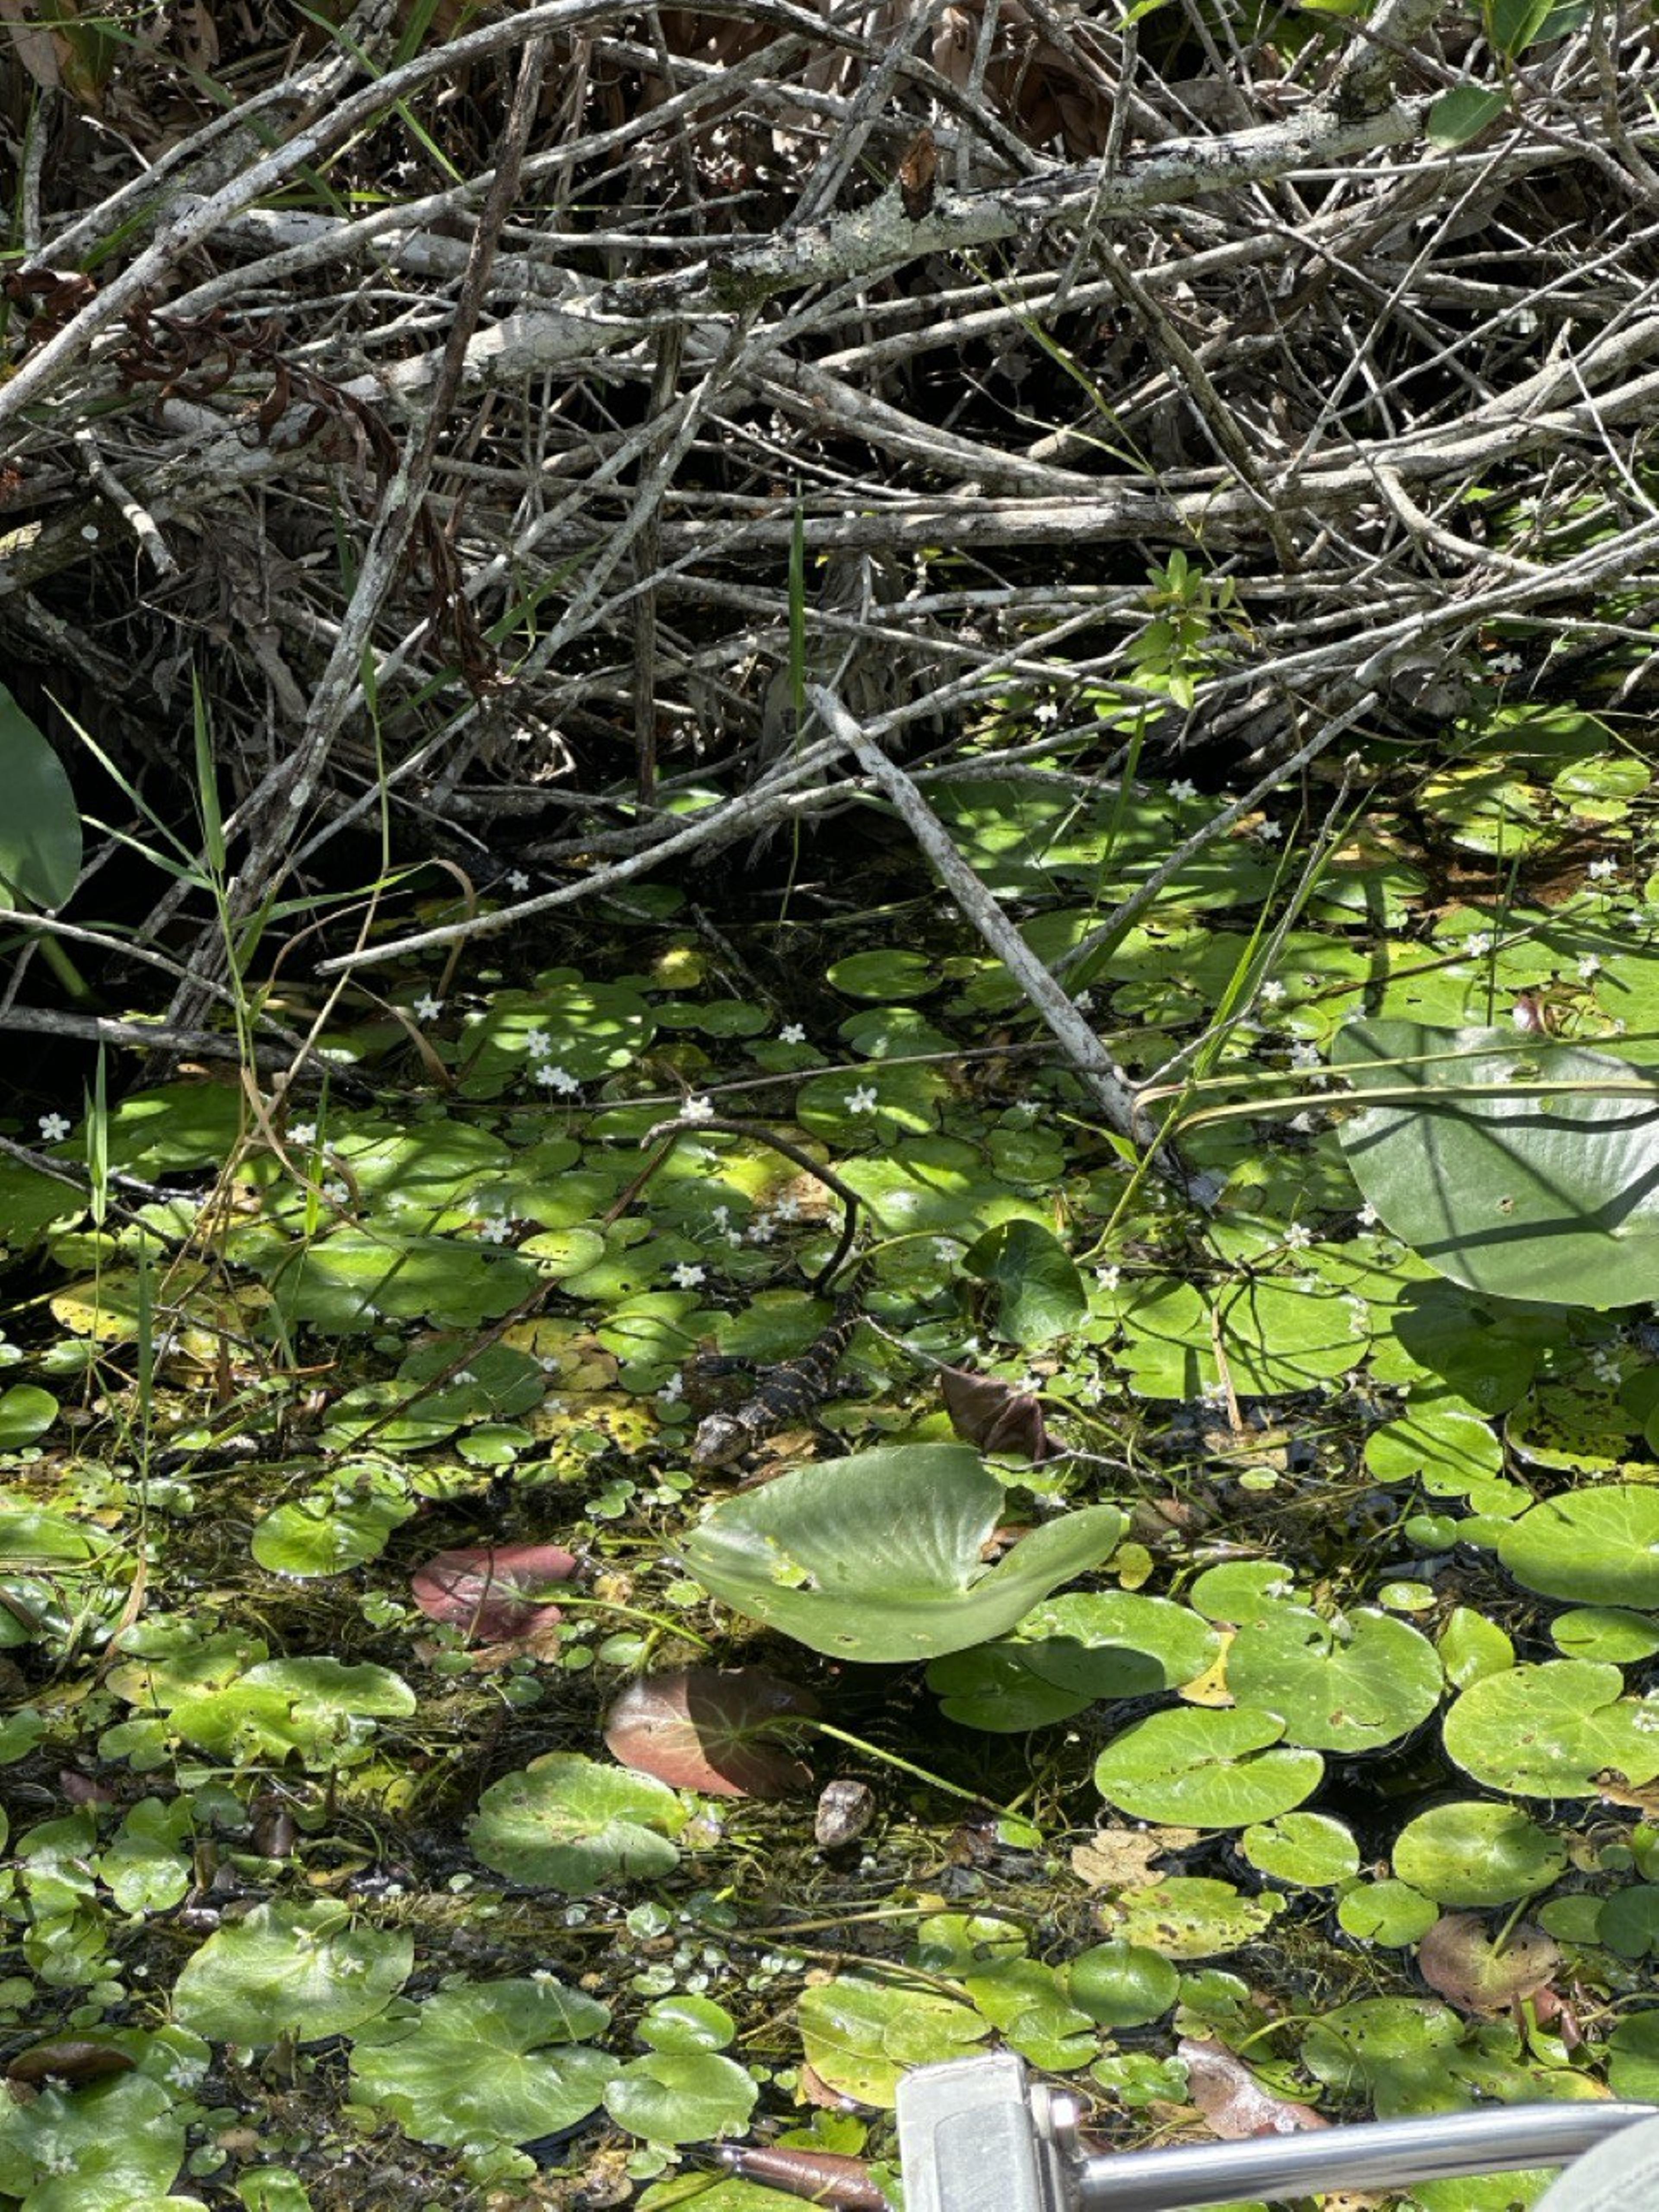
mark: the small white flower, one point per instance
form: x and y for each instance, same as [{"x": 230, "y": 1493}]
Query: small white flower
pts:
[
  {"x": 89, "y": 531},
  {"x": 1085, "y": 1002},
  {"x": 787, "y": 1209},
  {"x": 428, "y": 1008},
  {"x": 945, "y": 1249},
  {"x": 721, "y": 1216},
  {"x": 1479, "y": 944},
  {"x": 1183, "y": 789},
  {"x": 761, "y": 1231},
  {"x": 862, "y": 1100},
  {"x": 54, "y": 1128},
  {"x": 1109, "y": 1277},
  {"x": 1271, "y": 993},
  {"x": 1368, "y": 1215},
  {"x": 1604, "y": 1365},
  {"x": 497, "y": 1229},
  {"x": 1359, "y": 1318},
  {"x": 1602, "y": 871},
  {"x": 336, "y": 1194},
  {"x": 1298, "y": 1236},
  {"x": 1589, "y": 968},
  {"x": 1270, "y": 832},
  {"x": 791, "y": 1033},
  {"x": 1504, "y": 664},
  {"x": 673, "y": 1389},
  {"x": 556, "y": 1079},
  {"x": 538, "y": 1045},
  {"x": 700, "y": 1109},
  {"x": 1048, "y": 712},
  {"x": 517, "y": 880},
  {"x": 687, "y": 1275},
  {"x": 303, "y": 1133},
  {"x": 1644, "y": 1721}
]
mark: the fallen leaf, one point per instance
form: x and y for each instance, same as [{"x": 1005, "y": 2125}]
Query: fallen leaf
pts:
[
  {"x": 1234, "y": 2103},
  {"x": 1119, "y": 1858},
  {"x": 994, "y": 1417}
]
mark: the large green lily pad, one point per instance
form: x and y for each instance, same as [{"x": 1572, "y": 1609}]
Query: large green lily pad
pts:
[
  {"x": 1350, "y": 1683},
  {"x": 1542, "y": 1188},
  {"x": 1551, "y": 1731},
  {"x": 1600, "y": 1545},
  {"x": 1212, "y": 1769},
  {"x": 878, "y": 1557}
]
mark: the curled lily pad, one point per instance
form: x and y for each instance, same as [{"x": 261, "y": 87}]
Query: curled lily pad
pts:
[
  {"x": 878, "y": 1557},
  {"x": 1554, "y": 1730},
  {"x": 1216, "y": 1769},
  {"x": 1348, "y": 1684},
  {"x": 1475, "y": 1852}
]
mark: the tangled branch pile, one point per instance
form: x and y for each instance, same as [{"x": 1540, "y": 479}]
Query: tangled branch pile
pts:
[{"x": 510, "y": 412}]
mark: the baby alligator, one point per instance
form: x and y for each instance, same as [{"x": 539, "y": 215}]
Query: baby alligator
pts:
[{"x": 783, "y": 1393}]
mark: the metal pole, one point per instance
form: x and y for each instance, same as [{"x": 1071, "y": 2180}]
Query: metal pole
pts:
[{"x": 1385, "y": 2155}]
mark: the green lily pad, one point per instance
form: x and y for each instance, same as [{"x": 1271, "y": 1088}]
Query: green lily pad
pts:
[
  {"x": 1600, "y": 1545},
  {"x": 1600, "y": 1632},
  {"x": 1475, "y": 1853},
  {"x": 1116, "y": 1644},
  {"x": 991, "y": 1687},
  {"x": 489, "y": 2062},
  {"x": 860, "y": 2035},
  {"x": 342, "y": 1523},
  {"x": 1471, "y": 1646},
  {"x": 878, "y": 1557},
  {"x": 319, "y": 1708},
  {"x": 1388, "y": 1912},
  {"x": 1308, "y": 1850},
  {"x": 1628, "y": 1922},
  {"x": 108, "y": 2146},
  {"x": 1206, "y": 1766},
  {"x": 353, "y": 1279},
  {"x": 1393, "y": 2050},
  {"x": 1026, "y": 2003},
  {"x": 1542, "y": 1189},
  {"x": 25, "y": 1412},
  {"x": 568, "y": 1823},
  {"x": 1353, "y": 1683},
  {"x": 302, "y": 1970},
  {"x": 1549, "y": 1731},
  {"x": 681, "y": 2096},
  {"x": 1193, "y": 1916},
  {"x": 1120, "y": 1984},
  {"x": 1038, "y": 1292},
  {"x": 889, "y": 974}
]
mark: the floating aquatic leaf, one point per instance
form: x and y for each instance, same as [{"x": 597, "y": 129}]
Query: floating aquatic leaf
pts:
[
  {"x": 565, "y": 1822},
  {"x": 1038, "y": 1293},
  {"x": 1599, "y": 1546},
  {"x": 490, "y": 2061},
  {"x": 878, "y": 1557},
  {"x": 1545, "y": 1187},
  {"x": 493, "y": 1591},
  {"x": 1349, "y": 1684},
  {"x": 698, "y": 1727},
  {"x": 1473, "y": 1852},
  {"x": 861, "y": 2034},
  {"x": 1552, "y": 1730},
  {"x": 1482, "y": 1973},
  {"x": 1216, "y": 1769},
  {"x": 299, "y": 1970},
  {"x": 1235, "y": 2105}
]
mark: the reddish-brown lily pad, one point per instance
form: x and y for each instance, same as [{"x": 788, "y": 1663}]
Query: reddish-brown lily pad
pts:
[
  {"x": 700, "y": 1728},
  {"x": 1462, "y": 1963},
  {"x": 1235, "y": 2105},
  {"x": 492, "y": 1590}
]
